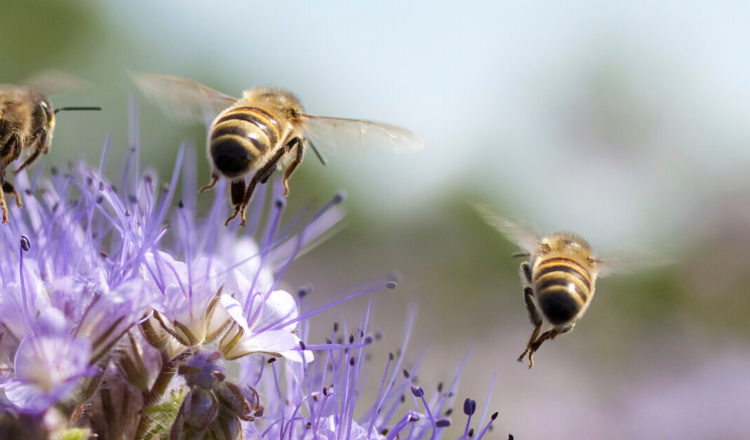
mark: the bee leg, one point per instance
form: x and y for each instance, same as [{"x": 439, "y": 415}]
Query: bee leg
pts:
[
  {"x": 530, "y": 348},
  {"x": 12, "y": 148},
  {"x": 536, "y": 319},
  {"x": 262, "y": 174},
  {"x": 534, "y": 316},
  {"x": 237, "y": 191},
  {"x": 234, "y": 214},
  {"x": 567, "y": 329},
  {"x": 240, "y": 197},
  {"x": 556, "y": 331},
  {"x": 4, "y": 206},
  {"x": 245, "y": 200},
  {"x": 10, "y": 189},
  {"x": 526, "y": 271},
  {"x": 550, "y": 334},
  {"x": 41, "y": 140},
  {"x": 267, "y": 173},
  {"x": 534, "y": 346},
  {"x": 211, "y": 184},
  {"x": 294, "y": 143}
]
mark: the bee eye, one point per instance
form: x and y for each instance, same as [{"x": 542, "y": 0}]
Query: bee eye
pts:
[{"x": 46, "y": 109}]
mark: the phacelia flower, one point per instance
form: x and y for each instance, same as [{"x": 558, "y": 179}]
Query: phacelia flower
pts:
[
  {"x": 90, "y": 267},
  {"x": 48, "y": 364},
  {"x": 126, "y": 311},
  {"x": 323, "y": 400}
]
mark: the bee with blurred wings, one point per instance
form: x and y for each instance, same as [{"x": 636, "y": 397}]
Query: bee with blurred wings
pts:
[
  {"x": 264, "y": 130},
  {"x": 559, "y": 278}
]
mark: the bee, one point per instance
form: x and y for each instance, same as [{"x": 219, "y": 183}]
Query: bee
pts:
[
  {"x": 559, "y": 278},
  {"x": 264, "y": 130},
  {"x": 27, "y": 121}
]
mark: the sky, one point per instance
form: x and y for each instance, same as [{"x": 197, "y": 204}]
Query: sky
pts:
[{"x": 504, "y": 96}]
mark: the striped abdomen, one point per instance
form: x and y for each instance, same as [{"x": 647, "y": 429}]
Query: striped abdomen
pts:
[
  {"x": 242, "y": 140},
  {"x": 562, "y": 287}
]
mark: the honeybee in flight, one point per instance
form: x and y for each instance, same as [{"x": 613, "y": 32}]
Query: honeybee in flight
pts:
[
  {"x": 265, "y": 130},
  {"x": 559, "y": 279},
  {"x": 27, "y": 121}
]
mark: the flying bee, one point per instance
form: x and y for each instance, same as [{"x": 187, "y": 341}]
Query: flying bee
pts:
[
  {"x": 559, "y": 279},
  {"x": 27, "y": 121},
  {"x": 264, "y": 130}
]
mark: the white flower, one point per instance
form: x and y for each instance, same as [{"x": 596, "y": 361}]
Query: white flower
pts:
[{"x": 268, "y": 327}]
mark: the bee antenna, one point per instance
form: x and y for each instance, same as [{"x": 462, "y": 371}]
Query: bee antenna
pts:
[
  {"x": 61, "y": 109},
  {"x": 521, "y": 254},
  {"x": 317, "y": 153}
]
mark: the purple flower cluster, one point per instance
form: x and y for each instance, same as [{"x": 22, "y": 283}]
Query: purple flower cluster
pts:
[
  {"x": 127, "y": 311},
  {"x": 325, "y": 394}
]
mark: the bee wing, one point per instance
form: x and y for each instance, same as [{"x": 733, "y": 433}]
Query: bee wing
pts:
[
  {"x": 523, "y": 237},
  {"x": 340, "y": 133},
  {"x": 629, "y": 260},
  {"x": 50, "y": 82},
  {"x": 182, "y": 99}
]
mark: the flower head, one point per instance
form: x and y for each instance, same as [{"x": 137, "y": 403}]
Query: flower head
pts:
[
  {"x": 61, "y": 310},
  {"x": 124, "y": 306},
  {"x": 323, "y": 399},
  {"x": 103, "y": 261},
  {"x": 48, "y": 364}
]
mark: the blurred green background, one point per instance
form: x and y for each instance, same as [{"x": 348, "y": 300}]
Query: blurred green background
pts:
[{"x": 627, "y": 124}]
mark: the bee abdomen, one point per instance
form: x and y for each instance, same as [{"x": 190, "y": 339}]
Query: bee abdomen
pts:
[
  {"x": 562, "y": 287},
  {"x": 241, "y": 138}
]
